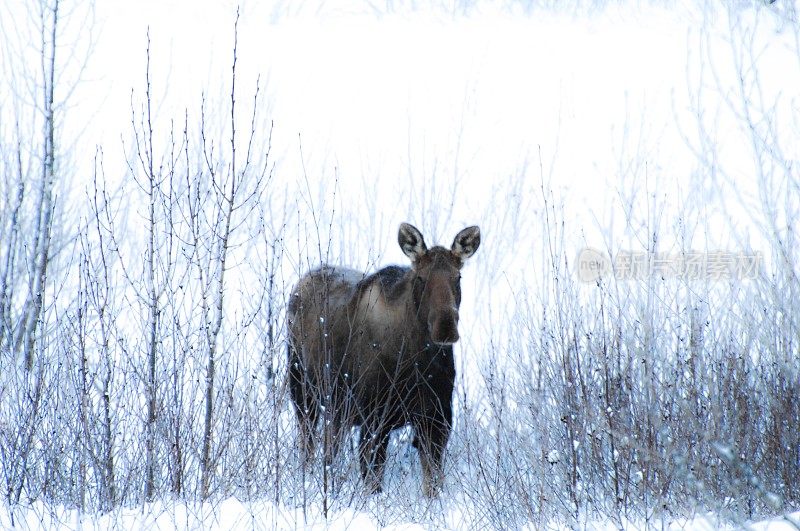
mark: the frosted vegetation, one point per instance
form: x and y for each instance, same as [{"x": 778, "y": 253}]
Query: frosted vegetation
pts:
[{"x": 163, "y": 189}]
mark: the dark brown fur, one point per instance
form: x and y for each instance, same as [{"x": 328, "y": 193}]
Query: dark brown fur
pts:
[{"x": 376, "y": 351}]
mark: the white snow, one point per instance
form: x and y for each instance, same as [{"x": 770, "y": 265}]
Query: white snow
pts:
[{"x": 233, "y": 515}]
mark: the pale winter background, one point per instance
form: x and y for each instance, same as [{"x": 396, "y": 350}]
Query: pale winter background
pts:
[{"x": 169, "y": 168}]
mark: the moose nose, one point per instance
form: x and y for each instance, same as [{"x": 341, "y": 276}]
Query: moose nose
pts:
[{"x": 444, "y": 328}]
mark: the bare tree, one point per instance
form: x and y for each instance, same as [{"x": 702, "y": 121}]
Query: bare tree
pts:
[
  {"x": 234, "y": 195},
  {"x": 32, "y": 266}
]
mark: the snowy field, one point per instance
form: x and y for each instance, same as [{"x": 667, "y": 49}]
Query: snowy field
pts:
[
  {"x": 231, "y": 514},
  {"x": 143, "y": 337}
]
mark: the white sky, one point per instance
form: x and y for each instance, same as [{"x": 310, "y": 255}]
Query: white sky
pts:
[
  {"x": 357, "y": 89},
  {"x": 392, "y": 100}
]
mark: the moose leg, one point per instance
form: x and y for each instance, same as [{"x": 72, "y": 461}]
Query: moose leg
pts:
[
  {"x": 305, "y": 406},
  {"x": 431, "y": 439},
  {"x": 372, "y": 454}
]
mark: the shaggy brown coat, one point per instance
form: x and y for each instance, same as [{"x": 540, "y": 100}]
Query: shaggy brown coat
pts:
[{"x": 376, "y": 352}]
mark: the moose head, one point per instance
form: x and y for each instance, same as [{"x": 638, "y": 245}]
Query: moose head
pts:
[{"x": 436, "y": 291}]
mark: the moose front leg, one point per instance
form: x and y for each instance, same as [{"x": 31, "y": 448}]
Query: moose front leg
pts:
[
  {"x": 372, "y": 455},
  {"x": 431, "y": 454},
  {"x": 431, "y": 439}
]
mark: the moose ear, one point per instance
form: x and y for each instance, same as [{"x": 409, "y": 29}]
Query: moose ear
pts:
[
  {"x": 411, "y": 241},
  {"x": 466, "y": 243}
]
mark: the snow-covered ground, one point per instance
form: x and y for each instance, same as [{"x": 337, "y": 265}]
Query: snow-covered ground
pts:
[{"x": 233, "y": 515}]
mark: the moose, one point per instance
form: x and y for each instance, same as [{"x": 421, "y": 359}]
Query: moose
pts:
[{"x": 376, "y": 352}]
